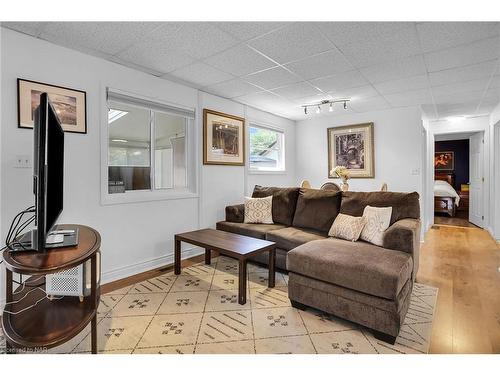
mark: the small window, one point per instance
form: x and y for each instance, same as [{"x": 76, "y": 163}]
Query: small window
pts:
[
  {"x": 147, "y": 147},
  {"x": 267, "y": 149}
]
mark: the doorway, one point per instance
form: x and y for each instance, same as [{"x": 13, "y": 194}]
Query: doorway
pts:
[{"x": 458, "y": 179}]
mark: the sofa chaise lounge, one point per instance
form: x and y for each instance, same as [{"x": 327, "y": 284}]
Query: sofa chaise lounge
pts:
[{"x": 358, "y": 281}]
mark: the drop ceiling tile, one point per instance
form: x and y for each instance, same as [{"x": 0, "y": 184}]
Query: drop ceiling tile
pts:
[
  {"x": 342, "y": 33},
  {"x": 201, "y": 74},
  {"x": 465, "y": 108},
  {"x": 463, "y": 73},
  {"x": 439, "y": 35},
  {"x": 30, "y": 28},
  {"x": 354, "y": 93},
  {"x": 404, "y": 84},
  {"x": 202, "y": 39},
  {"x": 164, "y": 59},
  {"x": 396, "y": 69},
  {"x": 294, "y": 42},
  {"x": 272, "y": 78},
  {"x": 108, "y": 37},
  {"x": 266, "y": 101},
  {"x": 340, "y": 81},
  {"x": 429, "y": 111},
  {"x": 240, "y": 60},
  {"x": 297, "y": 90},
  {"x": 322, "y": 65},
  {"x": 233, "y": 88},
  {"x": 410, "y": 98},
  {"x": 473, "y": 85},
  {"x": 369, "y": 104},
  {"x": 458, "y": 97},
  {"x": 249, "y": 30},
  {"x": 368, "y": 52},
  {"x": 473, "y": 53}
]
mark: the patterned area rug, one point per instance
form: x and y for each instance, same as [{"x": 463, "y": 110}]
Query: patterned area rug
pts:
[{"x": 198, "y": 312}]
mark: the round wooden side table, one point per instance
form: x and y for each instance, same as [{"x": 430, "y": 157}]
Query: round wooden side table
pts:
[{"x": 50, "y": 323}]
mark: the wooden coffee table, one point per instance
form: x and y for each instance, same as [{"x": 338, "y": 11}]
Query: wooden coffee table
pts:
[{"x": 232, "y": 245}]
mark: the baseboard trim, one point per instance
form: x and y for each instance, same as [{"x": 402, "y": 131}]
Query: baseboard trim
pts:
[{"x": 147, "y": 265}]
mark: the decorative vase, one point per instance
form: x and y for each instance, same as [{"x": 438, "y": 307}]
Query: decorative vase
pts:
[{"x": 344, "y": 185}]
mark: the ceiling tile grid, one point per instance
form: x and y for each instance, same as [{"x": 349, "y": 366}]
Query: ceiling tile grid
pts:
[{"x": 451, "y": 67}]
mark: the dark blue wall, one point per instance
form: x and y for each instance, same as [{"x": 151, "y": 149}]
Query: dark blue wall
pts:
[{"x": 461, "y": 150}]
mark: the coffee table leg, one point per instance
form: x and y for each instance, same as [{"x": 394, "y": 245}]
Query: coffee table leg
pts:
[
  {"x": 242, "y": 282},
  {"x": 177, "y": 257},
  {"x": 272, "y": 273},
  {"x": 208, "y": 256}
]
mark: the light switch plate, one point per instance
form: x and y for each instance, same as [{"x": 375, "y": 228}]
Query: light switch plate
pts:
[{"x": 23, "y": 161}]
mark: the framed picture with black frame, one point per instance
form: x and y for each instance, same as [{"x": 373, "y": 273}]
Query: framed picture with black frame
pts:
[{"x": 70, "y": 105}]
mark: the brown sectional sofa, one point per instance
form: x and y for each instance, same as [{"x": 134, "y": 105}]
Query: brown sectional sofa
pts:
[{"x": 358, "y": 281}]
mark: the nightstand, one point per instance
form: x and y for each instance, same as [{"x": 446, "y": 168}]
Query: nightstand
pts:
[{"x": 464, "y": 201}]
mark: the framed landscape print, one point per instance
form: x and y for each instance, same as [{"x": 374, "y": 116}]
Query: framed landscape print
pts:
[
  {"x": 444, "y": 161},
  {"x": 351, "y": 146},
  {"x": 70, "y": 105},
  {"x": 223, "y": 138}
]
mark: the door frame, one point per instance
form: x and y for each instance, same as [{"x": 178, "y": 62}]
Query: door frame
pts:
[
  {"x": 442, "y": 127},
  {"x": 495, "y": 186}
]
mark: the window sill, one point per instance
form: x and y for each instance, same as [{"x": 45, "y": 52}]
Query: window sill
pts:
[
  {"x": 145, "y": 196},
  {"x": 257, "y": 171}
]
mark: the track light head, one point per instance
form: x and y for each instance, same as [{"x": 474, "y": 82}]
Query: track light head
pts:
[
  {"x": 305, "y": 110},
  {"x": 331, "y": 108},
  {"x": 345, "y": 105},
  {"x": 318, "y": 110}
]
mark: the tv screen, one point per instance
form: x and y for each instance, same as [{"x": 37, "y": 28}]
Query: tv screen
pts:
[{"x": 48, "y": 170}]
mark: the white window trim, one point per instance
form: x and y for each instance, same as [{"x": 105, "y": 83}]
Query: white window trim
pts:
[
  {"x": 136, "y": 196},
  {"x": 258, "y": 124}
]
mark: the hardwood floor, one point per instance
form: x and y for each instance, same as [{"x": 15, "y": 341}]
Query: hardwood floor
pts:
[
  {"x": 461, "y": 219},
  {"x": 464, "y": 264}
]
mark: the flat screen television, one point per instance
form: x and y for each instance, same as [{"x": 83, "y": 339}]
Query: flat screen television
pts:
[{"x": 48, "y": 171}]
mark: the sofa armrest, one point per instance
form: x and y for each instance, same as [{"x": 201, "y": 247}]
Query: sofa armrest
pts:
[
  {"x": 404, "y": 235},
  {"x": 236, "y": 213}
]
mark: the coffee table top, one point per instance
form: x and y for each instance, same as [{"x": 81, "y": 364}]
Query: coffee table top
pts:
[{"x": 229, "y": 243}]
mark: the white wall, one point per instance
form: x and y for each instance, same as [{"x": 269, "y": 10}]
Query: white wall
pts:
[
  {"x": 398, "y": 149},
  {"x": 135, "y": 236}
]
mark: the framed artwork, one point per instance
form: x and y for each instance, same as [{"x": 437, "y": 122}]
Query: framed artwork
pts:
[
  {"x": 444, "y": 161},
  {"x": 223, "y": 138},
  {"x": 351, "y": 146},
  {"x": 70, "y": 105}
]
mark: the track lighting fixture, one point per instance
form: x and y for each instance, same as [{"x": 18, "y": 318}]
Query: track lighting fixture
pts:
[{"x": 324, "y": 102}]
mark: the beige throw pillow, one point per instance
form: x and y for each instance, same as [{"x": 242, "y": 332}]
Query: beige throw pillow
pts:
[
  {"x": 259, "y": 210},
  {"x": 378, "y": 220},
  {"x": 347, "y": 227}
]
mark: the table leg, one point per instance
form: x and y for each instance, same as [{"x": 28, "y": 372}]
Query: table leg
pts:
[
  {"x": 208, "y": 256},
  {"x": 177, "y": 257},
  {"x": 93, "y": 333},
  {"x": 242, "y": 282},
  {"x": 272, "y": 272}
]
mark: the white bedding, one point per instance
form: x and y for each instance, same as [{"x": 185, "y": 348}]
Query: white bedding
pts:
[{"x": 444, "y": 189}]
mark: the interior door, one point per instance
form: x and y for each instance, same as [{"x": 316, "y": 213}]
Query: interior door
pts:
[{"x": 476, "y": 180}]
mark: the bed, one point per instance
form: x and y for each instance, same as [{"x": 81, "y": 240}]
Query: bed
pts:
[{"x": 446, "y": 199}]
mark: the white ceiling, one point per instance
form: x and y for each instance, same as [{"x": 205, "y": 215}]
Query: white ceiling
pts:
[{"x": 449, "y": 68}]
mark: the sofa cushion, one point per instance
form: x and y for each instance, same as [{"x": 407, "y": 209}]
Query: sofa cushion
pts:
[
  {"x": 404, "y": 205},
  {"x": 251, "y": 230},
  {"x": 284, "y": 202},
  {"x": 289, "y": 238},
  {"x": 317, "y": 209},
  {"x": 355, "y": 265}
]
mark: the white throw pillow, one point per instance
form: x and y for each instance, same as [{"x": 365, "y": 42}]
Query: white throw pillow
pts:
[
  {"x": 259, "y": 210},
  {"x": 378, "y": 220},
  {"x": 347, "y": 227}
]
